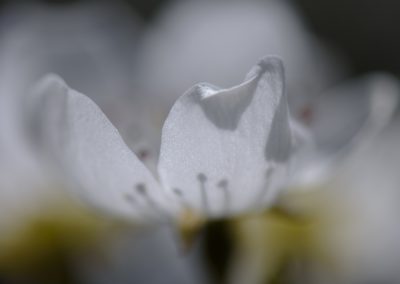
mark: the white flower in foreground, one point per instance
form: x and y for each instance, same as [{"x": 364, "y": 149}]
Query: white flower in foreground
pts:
[{"x": 223, "y": 151}]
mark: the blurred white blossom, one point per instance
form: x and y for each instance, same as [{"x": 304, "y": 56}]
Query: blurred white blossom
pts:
[{"x": 213, "y": 40}]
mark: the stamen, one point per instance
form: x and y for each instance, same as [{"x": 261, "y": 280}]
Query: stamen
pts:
[
  {"x": 180, "y": 195},
  {"x": 202, "y": 180},
  {"x": 202, "y": 177},
  {"x": 262, "y": 194},
  {"x": 142, "y": 190},
  {"x": 223, "y": 184}
]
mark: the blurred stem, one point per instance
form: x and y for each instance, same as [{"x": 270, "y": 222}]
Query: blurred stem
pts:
[{"x": 218, "y": 251}]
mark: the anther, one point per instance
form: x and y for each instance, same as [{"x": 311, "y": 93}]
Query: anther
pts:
[
  {"x": 141, "y": 188},
  {"x": 202, "y": 177},
  {"x": 177, "y": 191},
  {"x": 202, "y": 180}
]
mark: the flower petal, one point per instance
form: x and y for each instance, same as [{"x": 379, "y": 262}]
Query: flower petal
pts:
[
  {"x": 224, "y": 151},
  {"x": 340, "y": 115},
  {"x": 345, "y": 120},
  {"x": 88, "y": 148}
]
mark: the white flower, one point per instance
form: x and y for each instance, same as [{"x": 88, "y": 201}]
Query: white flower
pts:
[{"x": 223, "y": 151}]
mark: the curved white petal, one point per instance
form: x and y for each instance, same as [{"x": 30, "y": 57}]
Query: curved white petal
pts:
[
  {"x": 345, "y": 120},
  {"x": 224, "y": 151},
  {"x": 88, "y": 148},
  {"x": 341, "y": 114}
]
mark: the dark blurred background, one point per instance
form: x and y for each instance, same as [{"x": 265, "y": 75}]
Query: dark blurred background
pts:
[{"x": 365, "y": 31}]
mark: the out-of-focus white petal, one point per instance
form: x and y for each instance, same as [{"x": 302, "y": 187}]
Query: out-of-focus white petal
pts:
[
  {"x": 365, "y": 235},
  {"x": 212, "y": 39},
  {"x": 344, "y": 120},
  {"x": 89, "y": 149},
  {"x": 341, "y": 114},
  {"x": 224, "y": 151},
  {"x": 88, "y": 44}
]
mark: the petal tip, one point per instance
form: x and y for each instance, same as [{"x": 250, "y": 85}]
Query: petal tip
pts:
[
  {"x": 52, "y": 78},
  {"x": 205, "y": 90},
  {"x": 271, "y": 64},
  {"x": 50, "y": 81},
  {"x": 271, "y": 61}
]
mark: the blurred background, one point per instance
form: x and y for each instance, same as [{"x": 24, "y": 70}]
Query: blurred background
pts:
[
  {"x": 364, "y": 31},
  {"x": 134, "y": 58}
]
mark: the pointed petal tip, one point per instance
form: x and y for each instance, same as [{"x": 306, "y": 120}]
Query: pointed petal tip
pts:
[
  {"x": 269, "y": 61},
  {"x": 268, "y": 64},
  {"x": 52, "y": 77},
  {"x": 48, "y": 81}
]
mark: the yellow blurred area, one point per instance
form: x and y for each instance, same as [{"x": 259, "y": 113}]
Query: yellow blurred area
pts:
[
  {"x": 44, "y": 246},
  {"x": 271, "y": 245}
]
